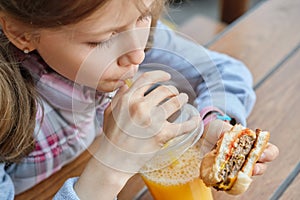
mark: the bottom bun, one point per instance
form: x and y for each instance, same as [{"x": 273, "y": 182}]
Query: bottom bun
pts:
[
  {"x": 208, "y": 169},
  {"x": 241, "y": 184}
]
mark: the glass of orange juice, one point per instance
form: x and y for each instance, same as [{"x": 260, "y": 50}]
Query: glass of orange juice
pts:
[{"x": 173, "y": 173}]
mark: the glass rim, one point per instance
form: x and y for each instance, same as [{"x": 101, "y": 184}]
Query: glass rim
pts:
[{"x": 167, "y": 155}]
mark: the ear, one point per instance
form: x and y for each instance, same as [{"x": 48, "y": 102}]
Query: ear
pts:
[{"x": 17, "y": 33}]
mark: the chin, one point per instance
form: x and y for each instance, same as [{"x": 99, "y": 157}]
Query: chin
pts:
[{"x": 110, "y": 87}]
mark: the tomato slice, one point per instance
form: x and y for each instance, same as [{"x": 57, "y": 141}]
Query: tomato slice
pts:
[{"x": 246, "y": 131}]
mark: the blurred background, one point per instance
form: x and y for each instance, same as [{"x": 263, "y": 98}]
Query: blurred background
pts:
[{"x": 202, "y": 20}]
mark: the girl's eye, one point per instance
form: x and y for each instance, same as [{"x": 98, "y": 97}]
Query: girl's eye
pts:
[
  {"x": 106, "y": 43},
  {"x": 102, "y": 44}
]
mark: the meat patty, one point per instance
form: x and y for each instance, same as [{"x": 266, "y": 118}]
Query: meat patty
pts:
[{"x": 241, "y": 149}]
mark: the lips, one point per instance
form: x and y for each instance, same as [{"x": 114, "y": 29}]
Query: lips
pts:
[{"x": 128, "y": 74}]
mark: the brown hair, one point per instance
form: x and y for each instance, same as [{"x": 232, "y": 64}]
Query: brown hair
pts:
[
  {"x": 17, "y": 93},
  {"x": 17, "y": 109},
  {"x": 55, "y": 13}
]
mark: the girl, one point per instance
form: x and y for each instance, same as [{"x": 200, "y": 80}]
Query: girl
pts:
[{"x": 71, "y": 48}]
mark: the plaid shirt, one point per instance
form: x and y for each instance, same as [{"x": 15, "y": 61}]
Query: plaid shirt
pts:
[{"x": 72, "y": 119}]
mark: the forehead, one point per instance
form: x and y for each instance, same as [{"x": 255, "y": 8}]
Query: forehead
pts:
[{"x": 116, "y": 13}]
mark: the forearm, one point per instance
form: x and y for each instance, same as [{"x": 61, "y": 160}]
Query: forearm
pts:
[
  {"x": 99, "y": 181},
  {"x": 234, "y": 94}
]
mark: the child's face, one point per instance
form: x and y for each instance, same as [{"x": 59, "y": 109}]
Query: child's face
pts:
[{"x": 102, "y": 50}]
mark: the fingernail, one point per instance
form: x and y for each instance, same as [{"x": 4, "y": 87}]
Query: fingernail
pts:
[{"x": 263, "y": 155}]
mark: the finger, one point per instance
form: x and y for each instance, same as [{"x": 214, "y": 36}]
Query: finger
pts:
[
  {"x": 146, "y": 80},
  {"x": 259, "y": 169},
  {"x": 270, "y": 153},
  {"x": 161, "y": 93},
  {"x": 173, "y": 104},
  {"x": 118, "y": 95},
  {"x": 174, "y": 130}
]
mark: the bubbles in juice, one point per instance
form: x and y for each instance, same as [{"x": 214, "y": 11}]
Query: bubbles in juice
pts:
[{"x": 181, "y": 171}]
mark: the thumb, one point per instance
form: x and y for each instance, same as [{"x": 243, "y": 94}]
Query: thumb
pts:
[{"x": 215, "y": 129}]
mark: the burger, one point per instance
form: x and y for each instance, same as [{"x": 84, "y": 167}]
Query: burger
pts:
[{"x": 228, "y": 167}]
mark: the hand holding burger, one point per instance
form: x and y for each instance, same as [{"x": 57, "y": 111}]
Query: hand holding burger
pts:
[{"x": 229, "y": 166}]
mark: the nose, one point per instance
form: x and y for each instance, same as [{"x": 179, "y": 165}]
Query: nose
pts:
[{"x": 131, "y": 58}]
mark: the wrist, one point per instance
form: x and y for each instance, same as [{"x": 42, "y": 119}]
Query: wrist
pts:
[
  {"x": 210, "y": 114},
  {"x": 216, "y": 115},
  {"x": 99, "y": 181}
]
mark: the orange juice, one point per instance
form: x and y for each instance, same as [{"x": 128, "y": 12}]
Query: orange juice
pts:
[{"x": 180, "y": 180}]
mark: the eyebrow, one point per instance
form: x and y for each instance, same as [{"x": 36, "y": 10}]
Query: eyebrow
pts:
[{"x": 143, "y": 13}]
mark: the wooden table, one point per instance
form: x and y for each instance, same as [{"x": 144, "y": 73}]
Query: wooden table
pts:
[{"x": 267, "y": 40}]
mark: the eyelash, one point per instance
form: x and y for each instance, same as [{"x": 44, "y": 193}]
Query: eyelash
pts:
[
  {"x": 108, "y": 42},
  {"x": 101, "y": 44}
]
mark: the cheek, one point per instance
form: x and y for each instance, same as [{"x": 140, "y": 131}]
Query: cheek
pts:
[
  {"x": 98, "y": 68},
  {"x": 77, "y": 62},
  {"x": 62, "y": 58}
]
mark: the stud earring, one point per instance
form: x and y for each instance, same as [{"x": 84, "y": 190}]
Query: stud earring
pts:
[{"x": 26, "y": 50}]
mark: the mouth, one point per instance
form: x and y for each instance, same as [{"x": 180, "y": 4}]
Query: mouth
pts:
[{"x": 129, "y": 75}]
